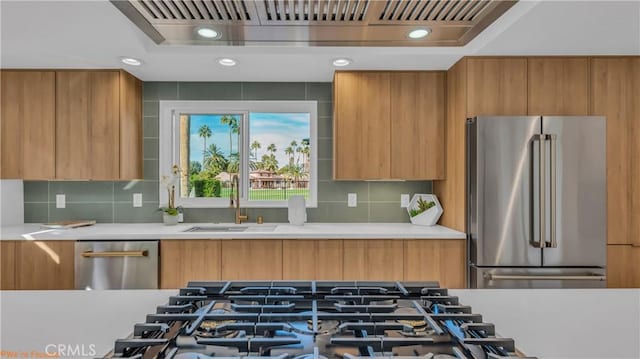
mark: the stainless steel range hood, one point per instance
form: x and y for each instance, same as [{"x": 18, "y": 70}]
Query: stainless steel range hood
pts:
[{"x": 313, "y": 22}]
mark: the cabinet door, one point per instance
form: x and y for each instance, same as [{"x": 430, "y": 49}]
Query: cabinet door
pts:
[
  {"x": 28, "y": 125},
  {"x": 182, "y": 261},
  {"x": 417, "y": 125},
  {"x": 130, "y": 127},
  {"x": 558, "y": 86},
  {"x": 87, "y": 125},
  {"x": 615, "y": 89},
  {"x": 623, "y": 270},
  {"x": 44, "y": 265},
  {"x": 442, "y": 260},
  {"x": 361, "y": 126},
  {"x": 496, "y": 86},
  {"x": 7, "y": 265},
  {"x": 251, "y": 259},
  {"x": 313, "y": 259},
  {"x": 373, "y": 259}
]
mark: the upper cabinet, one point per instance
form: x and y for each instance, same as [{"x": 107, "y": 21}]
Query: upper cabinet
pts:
[
  {"x": 71, "y": 124},
  {"x": 558, "y": 86},
  {"x": 388, "y": 125},
  {"x": 615, "y": 90},
  {"x": 28, "y": 124},
  {"x": 496, "y": 86}
]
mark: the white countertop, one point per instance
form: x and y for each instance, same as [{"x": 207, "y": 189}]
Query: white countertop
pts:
[
  {"x": 136, "y": 231},
  {"x": 553, "y": 324}
]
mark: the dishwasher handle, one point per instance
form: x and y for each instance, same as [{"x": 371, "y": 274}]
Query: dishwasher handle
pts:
[{"x": 92, "y": 254}]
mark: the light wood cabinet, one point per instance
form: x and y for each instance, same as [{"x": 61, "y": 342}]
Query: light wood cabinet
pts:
[
  {"x": 442, "y": 260},
  {"x": 43, "y": 265},
  {"x": 615, "y": 89},
  {"x": 247, "y": 259},
  {"x": 558, "y": 86},
  {"x": 182, "y": 261},
  {"x": 361, "y": 126},
  {"x": 496, "y": 86},
  {"x": 131, "y": 137},
  {"x": 7, "y": 265},
  {"x": 28, "y": 124},
  {"x": 87, "y": 125},
  {"x": 373, "y": 259},
  {"x": 312, "y": 259},
  {"x": 417, "y": 124},
  {"x": 623, "y": 266}
]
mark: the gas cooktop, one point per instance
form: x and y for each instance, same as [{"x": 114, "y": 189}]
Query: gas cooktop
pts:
[{"x": 313, "y": 319}]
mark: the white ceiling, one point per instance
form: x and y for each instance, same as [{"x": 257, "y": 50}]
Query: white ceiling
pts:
[{"x": 94, "y": 34}]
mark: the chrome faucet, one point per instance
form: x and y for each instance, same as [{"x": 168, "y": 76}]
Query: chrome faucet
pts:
[{"x": 235, "y": 202}]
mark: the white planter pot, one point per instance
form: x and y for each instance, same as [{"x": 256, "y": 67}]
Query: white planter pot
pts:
[
  {"x": 169, "y": 220},
  {"x": 429, "y": 217}
]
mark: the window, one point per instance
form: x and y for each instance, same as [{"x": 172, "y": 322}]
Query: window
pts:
[{"x": 269, "y": 145}]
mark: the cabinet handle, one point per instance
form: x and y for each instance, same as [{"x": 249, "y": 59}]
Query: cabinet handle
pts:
[{"x": 91, "y": 254}]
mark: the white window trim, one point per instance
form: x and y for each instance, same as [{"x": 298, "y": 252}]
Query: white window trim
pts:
[{"x": 169, "y": 155}]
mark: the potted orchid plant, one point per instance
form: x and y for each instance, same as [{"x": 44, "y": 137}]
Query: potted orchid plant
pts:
[{"x": 170, "y": 212}]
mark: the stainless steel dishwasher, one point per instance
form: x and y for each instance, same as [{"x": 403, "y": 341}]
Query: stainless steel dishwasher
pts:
[{"x": 116, "y": 265}]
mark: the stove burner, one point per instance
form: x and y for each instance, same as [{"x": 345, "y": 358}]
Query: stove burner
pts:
[{"x": 215, "y": 328}]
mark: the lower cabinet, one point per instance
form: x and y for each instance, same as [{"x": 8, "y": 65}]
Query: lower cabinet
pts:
[
  {"x": 8, "y": 265},
  {"x": 182, "y": 261},
  {"x": 41, "y": 265},
  {"x": 623, "y": 266},
  {"x": 312, "y": 259},
  {"x": 442, "y": 260},
  {"x": 373, "y": 259},
  {"x": 252, "y": 259}
]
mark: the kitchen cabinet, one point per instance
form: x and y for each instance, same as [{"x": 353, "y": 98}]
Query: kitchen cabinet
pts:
[
  {"x": 182, "y": 261},
  {"x": 623, "y": 266},
  {"x": 7, "y": 265},
  {"x": 43, "y": 265},
  {"x": 496, "y": 86},
  {"x": 87, "y": 125},
  {"x": 389, "y": 125},
  {"x": 28, "y": 124},
  {"x": 247, "y": 259},
  {"x": 436, "y": 260},
  {"x": 615, "y": 89},
  {"x": 131, "y": 137},
  {"x": 373, "y": 259},
  {"x": 417, "y": 124},
  {"x": 312, "y": 259},
  {"x": 558, "y": 86},
  {"x": 361, "y": 127}
]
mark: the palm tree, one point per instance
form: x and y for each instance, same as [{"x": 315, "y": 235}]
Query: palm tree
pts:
[
  {"x": 205, "y": 132},
  {"x": 272, "y": 148},
  {"x": 232, "y": 122},
  {"x": 269, "y": 163},
  {"x": 289, "y": 152},
  {"x": 214, "y": 159},
  {"x": 299, "y": 151},
  {"x": 234, "y": 163},
  {"x": 255, "y": 146}
]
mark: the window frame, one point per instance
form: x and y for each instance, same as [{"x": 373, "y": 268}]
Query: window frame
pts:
[{"x": 169, "y": 128}]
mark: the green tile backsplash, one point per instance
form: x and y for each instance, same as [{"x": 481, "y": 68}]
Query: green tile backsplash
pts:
[{"x": 112, "y": 201}]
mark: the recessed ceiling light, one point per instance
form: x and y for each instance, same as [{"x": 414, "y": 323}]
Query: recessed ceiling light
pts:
[
  {"x": 227, "y": 62},
  {"x": 208, "y": 33},
  {"x": 419, "y": 33},
  {"x": 131, "y": 61},
  {"x": 342, "y": 62}
]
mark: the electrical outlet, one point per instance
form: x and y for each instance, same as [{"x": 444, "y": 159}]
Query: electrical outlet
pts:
[
  {"x": 61, "y": 201},
  {"x": 404, "y": 200},
  {"x": 352, "y": 200},
  {"x": 137, "y": 199}
]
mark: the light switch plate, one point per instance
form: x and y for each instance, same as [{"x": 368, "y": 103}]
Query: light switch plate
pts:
[
  {"x": 137, "y": 199},
  {"x": 61, "y": 201},
  {"x": 352, "y": 200},
  {"x": 404, "y": 200}
]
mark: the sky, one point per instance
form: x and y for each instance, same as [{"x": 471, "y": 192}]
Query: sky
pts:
[{"x": 277, "y": 128}]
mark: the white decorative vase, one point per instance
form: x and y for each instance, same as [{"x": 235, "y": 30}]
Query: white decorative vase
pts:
[
  {"x": 429, "y": 217},
  {"x": 169, "y": 220}
]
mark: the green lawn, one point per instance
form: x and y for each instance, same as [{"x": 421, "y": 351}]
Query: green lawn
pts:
[{"x": 270, "y": 194}]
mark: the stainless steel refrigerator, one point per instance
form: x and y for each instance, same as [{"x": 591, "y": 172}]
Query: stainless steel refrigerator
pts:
[{"x": 536, "y": 201}]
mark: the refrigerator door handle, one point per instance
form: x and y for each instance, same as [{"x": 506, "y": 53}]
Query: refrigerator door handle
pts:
[
  {"x": 540, "y": 138},
  {"x": 490, "y": 276},
  {"x": 553, "y": 184}
]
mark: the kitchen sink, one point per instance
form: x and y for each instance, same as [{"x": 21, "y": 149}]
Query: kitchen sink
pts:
[{"x": 217, "y": 229}]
